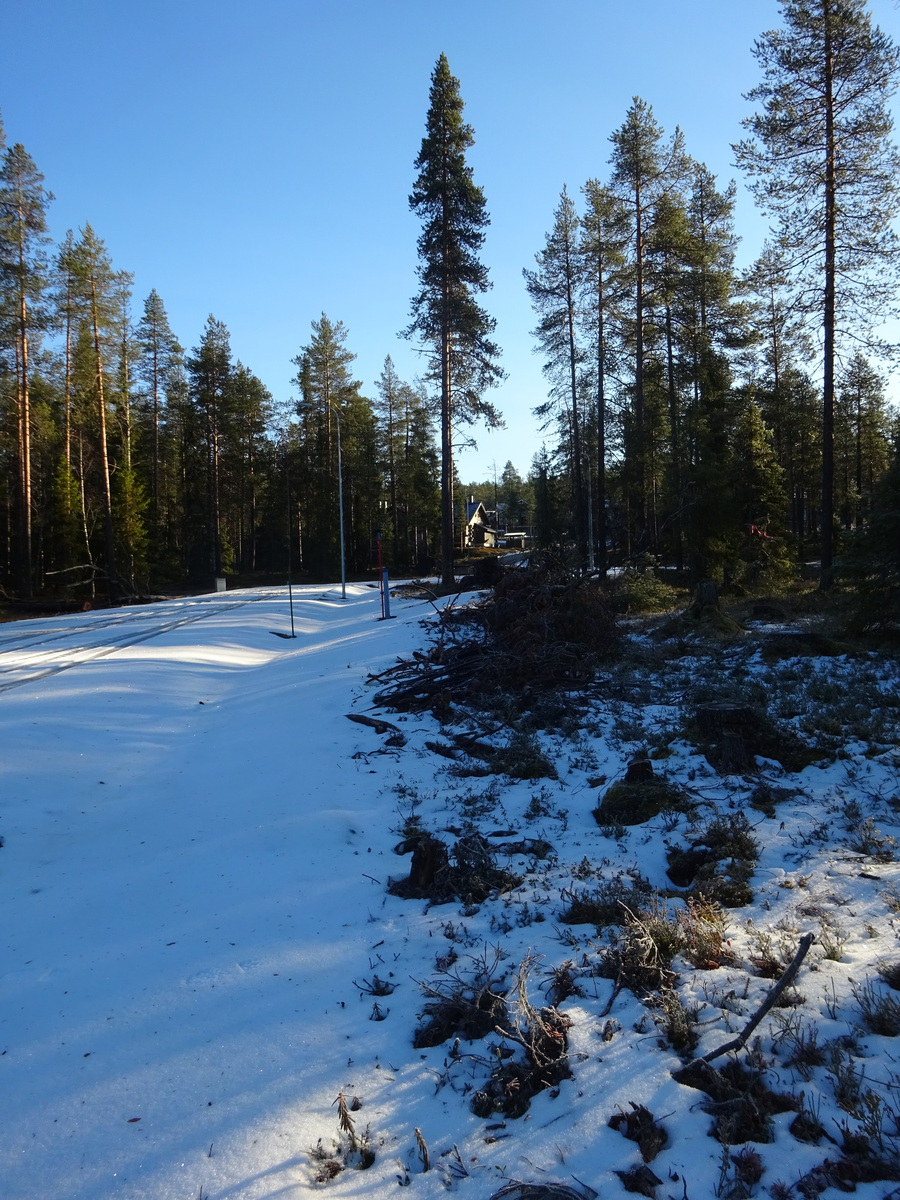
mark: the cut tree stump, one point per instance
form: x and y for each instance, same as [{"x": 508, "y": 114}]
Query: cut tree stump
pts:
[
  {"x": 733, "y": 730},
  {"x": 723, "y": 716},
  {"x": 734, "y": 758},
  {"x": 429, "y": 857},
  {"x": 639, "y": 770}
]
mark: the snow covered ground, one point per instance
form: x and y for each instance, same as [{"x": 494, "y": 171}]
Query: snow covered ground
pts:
[{"x": 196, "y": 926}]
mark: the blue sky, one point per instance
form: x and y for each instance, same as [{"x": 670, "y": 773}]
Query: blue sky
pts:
[{"x": 254, "y": 160}]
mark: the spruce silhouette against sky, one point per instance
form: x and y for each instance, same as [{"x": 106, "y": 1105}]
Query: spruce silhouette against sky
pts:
[{"x": 446, "y": 315}]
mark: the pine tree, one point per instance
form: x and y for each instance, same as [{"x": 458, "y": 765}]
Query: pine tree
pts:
[
  {"x": 554, "y": 288},
  {"x": 445, "y": 313},
  {"x": 96, "y": 298},
  {"x": 825, "y": 169},
  {"x": 604, "y": 236},
  {"x": 23, "y": 316},
  {"x": 644, "y": 168}
]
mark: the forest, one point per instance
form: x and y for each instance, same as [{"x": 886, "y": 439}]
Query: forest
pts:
[{"x": 728, "y": 424}]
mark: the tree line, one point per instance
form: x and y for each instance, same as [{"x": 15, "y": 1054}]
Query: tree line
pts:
[
  {"x": 726, "y": 421},
  {"x": 128, "y": 463},
  {"x": 729, "y": 422}
]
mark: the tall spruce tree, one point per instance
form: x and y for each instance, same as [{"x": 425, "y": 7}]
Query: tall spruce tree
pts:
[
  {"x": 210, "y": 369},
  {"x": 408, "y": 464},
  {"x": 327, "y": 391},
  {"x": 419, "y": 480},
  {"x": 159, "y": 365},
  {"x": 446, "y": 315},
  {"x": 249, "y": 462},
  {"x": 824, "y": 168},
  {"x": 862, "y": 439}
]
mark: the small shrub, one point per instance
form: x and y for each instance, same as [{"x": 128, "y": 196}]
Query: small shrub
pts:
[
  {"x": 748, "y": 1166},
  {"x": 806, "y": 1126},
  {"x": 872, "y": 842},
  {"x": 801, "y": 1043},
  {"x": 703, "y": 925},
  {"x": 832, "y": 939},
  {"x": 641, "y": 956},
  {"x": 608, "y": 904},
  {"x": 468, "y": 1006},
  {"x": 768, "y": 960},
  {"x": 542, "y": 1033},
  {"x": 718, "y": 863},
  {"x": 642, "y": 591},
  {"x": 881, "y": 1013},
  {"x": 846, "y": 1077},
  {"x": 890, "y": 973},
  {"x": 678, "y": 1022},
  {"x": 765, "y": 797},
  {"x": 522, "y": 758}
]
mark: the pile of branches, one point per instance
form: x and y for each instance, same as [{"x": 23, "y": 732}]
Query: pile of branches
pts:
[{"x": 541, "y": 628}]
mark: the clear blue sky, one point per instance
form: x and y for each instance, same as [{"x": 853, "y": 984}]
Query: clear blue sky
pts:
[{"x": 254, "y": 159}]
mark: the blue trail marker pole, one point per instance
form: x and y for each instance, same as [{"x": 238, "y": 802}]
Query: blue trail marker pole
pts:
[{"x": 383, "y": 582}]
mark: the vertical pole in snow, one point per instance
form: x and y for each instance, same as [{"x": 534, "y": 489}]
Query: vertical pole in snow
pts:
[
  {"x": 383, "y": 582},
  {"x": 385, "y": 596}
]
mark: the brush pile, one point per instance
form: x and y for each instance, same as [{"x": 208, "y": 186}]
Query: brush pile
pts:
[{"x": 541, "y": 628}]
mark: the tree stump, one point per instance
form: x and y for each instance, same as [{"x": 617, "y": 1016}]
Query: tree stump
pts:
[
  {"x": 724, "y": 716},
  {"x": 706, "y": 596},
  {"x": 733, "y": 731},
  {"x": 429, "y": 857},
  {"x": 734, "y": 758},
  {"x": 639, "y": 770}
]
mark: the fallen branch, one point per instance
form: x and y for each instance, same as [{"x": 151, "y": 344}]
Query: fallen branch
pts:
[
  {"x": 375, "y": 723},
  {"x": 785, "y": 981}
]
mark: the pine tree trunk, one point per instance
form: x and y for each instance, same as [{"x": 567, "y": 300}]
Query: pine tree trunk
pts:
[
  {"x": 827, "y": 530},
  {"x": 112, "y": 584},
  {"x": 640, "y": 506},
  {"x": 601, "y": 435},
  {"x": 24, "y": 438}
]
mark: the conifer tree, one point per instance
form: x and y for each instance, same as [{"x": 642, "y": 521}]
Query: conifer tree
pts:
[
  {"x": 604, "y": 236},
  {"x": 96, "y": 297},
  {"x": 327, "y": 390},
  {"x": 23, "y": 316},
  {"x": 159, "y": 366},
  {"x": 210, "y": 368},
  {"x": 390, "y": 390},
  {"x": 248, "y": 461},
  {"x": 446, "y": 315},
  {"x": 419, "y": 480},
  {"x": 825, "y": 169},
  {"x": 554, "y": 288},
  {"x": 862, "y": 440},
  {"x": 645, "y": 167}
]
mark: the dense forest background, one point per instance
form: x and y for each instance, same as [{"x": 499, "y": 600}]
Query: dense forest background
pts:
[{"x": 689, "y": 417}]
